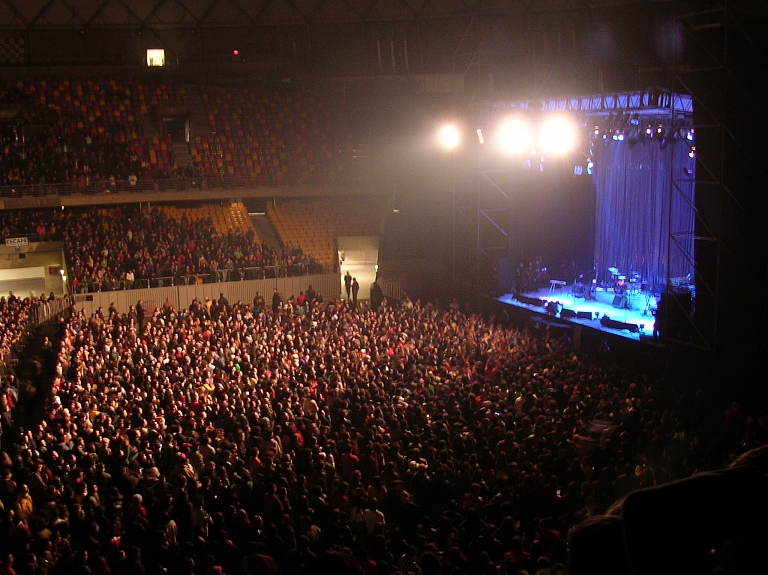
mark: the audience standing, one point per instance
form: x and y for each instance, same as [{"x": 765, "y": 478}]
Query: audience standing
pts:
[{"x": 228, "y": 439}]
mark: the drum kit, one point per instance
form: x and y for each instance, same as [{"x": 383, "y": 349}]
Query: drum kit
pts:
[{"x": 628, "y": 286}]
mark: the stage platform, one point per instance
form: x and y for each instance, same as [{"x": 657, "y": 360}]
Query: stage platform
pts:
[{"x": 638, "y": 313}]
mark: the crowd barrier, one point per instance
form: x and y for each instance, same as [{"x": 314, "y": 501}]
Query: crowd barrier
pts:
[
  {"x": 181, "y": 296},
  {"x": 38, "y": 314},
  {"x": 160, "y": 185},
  {"x": 221, "y": 276},
  {"x": 392, "y": 288}
]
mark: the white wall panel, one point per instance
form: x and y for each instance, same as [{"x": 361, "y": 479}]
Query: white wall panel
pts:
[{"x": 181, "y": 296}]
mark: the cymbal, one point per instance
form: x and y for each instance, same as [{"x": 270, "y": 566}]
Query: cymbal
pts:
[{"x": 613, "y": 270}]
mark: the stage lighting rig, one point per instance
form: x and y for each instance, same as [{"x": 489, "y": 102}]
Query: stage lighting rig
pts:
[
  {"x": 665, "y": 139},
  {"x": 449, "y": 137},
  {"x": 558, "y": 135},
  {"x": 515, "y": 136}
]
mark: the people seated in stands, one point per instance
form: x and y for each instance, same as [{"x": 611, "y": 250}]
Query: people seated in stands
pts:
[
  {"x": 125, "y": 247},
  {"x": 89, "y": 133},
  {"x": 83, "y": 132}
]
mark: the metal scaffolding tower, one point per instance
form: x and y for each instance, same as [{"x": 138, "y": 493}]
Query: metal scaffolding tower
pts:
[{"x": 716, "y": 62}]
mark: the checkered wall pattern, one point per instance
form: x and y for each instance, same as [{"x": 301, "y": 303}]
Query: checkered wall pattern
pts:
[{"x": 13, "y": 51}]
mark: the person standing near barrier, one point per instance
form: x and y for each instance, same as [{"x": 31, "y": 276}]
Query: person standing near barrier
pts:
[
  {"x": 276, "y": 299},
  {"x": 355, "y": 290},
  {"x": 258, "y": 303},
  {"x": 348, "y": 283},
  {"x": 377, "y": 295}
]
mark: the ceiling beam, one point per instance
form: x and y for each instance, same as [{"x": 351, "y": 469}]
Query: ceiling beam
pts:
[
  {"x": 246, "y": 14},
  {"x": 16, "y": 12},
  {"x": 96, "y": 13},
  {"x": 263, "y": 9},
  {"x": 74, "y": 12},
  {"x": 153, "y": 11},
  {"x": 41, "y": 12}
]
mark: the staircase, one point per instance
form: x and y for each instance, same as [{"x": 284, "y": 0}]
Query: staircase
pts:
[
  {"x": 265, "y": 231},
  {"x": 198, "y": 117},
  {"x": 149, "y": 126},
  {"x": 181, "y": 154}
]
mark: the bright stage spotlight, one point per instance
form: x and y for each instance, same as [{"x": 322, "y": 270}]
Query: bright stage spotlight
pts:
[
  {"x": 449, "y": 137},
  {"x": 515, "y": 136},
  {"x": 558, "y": 135}
]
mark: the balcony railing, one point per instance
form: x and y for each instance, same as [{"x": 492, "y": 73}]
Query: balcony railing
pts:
[
  {"x": 160, "y": 185},
  {"x": 240, "y": 274}
]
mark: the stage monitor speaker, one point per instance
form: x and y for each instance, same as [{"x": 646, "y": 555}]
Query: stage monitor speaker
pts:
[
  {"x": 529, "y": 300},
  {"x": 583, "y": 315},
  {"x": 567, "y": 314},
  {"x": 620, "y": 301},
  {"x": 613, "y": 324}
]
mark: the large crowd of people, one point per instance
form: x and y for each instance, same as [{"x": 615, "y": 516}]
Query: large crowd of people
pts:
[
  {"x": 90, "y": 134},
  {"x": 78, "y": 132},
  {"x": 127, "y": 247},
  {"x": 234, "y": 439},
  {"x": 14, "y": 315},
  {"x": 136, "y": 247}
]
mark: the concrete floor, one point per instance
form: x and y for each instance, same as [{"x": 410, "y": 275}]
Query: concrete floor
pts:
[{"x": 365, "y": 274}]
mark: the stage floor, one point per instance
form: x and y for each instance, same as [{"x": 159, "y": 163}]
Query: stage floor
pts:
[{"x": 639, "y": 304}]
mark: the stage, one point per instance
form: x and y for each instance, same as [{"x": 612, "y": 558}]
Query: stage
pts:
[
  {"x": 637, "y": 311},
  {"x": 609, "y": 214}
]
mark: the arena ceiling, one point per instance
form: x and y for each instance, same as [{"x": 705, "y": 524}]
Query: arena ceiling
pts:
[{"x": 200, "y": 14}]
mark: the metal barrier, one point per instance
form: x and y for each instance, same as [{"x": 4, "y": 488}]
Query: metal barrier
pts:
[
  {"x": 181, "y": 296},
  {"x": 391, "y": 287},
  {"x": 35, "y": 237},
  {"x": 39, "y": 313},
  {"x": 170, "y": 184},
  {"x": 221, "y": 276}
]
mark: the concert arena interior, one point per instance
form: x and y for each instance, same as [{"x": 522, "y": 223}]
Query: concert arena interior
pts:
[{"x": 383, "y": 287}]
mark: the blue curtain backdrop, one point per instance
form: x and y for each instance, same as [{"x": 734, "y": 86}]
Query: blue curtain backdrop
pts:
[{"x": 634, "y": 205}]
